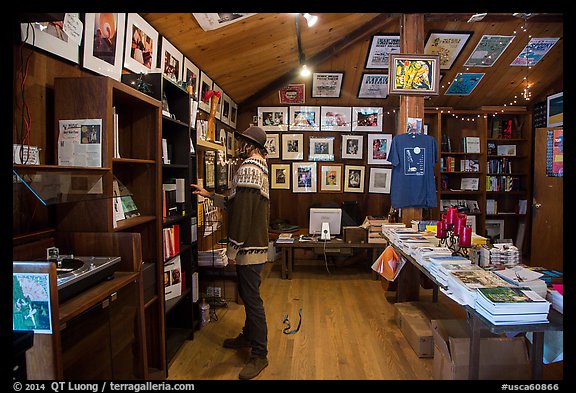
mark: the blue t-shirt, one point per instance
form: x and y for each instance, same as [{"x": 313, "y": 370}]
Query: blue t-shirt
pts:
[{"x": 413, "y": 157}]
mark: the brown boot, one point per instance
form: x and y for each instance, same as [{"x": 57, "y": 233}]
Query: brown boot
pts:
[
  {"x": 239, "y": 342},
  {"x": 253, "y": 367}
]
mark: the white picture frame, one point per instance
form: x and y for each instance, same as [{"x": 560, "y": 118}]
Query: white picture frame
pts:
[
  {"x": 103, "y": 52},
  {"x": 321, "y": 148},
  {"x": 330, "y": 177},
  {"x": 354, "y": 178},
  {"x": 336, "y": 118},
  {"x": 172, "y": 62},
  {"x": 380, "y": 180},
  {"x": 381, "y": 47},
  {"x": 292, "y": 146},
  {"x": 273, "y": 118},
  {"x": 280, "y": 176},
  {"x": 304, "y": 177},
  {"x": 494, "y": 230},
  {"x": 141, "y": 45},
  {"x": 225, "y": 115},
  {"x": 273, "y": 145},
  {"x": 555, "y": 110},
  {"x": 373, "y": 86},
  {"x": 379, "y": 149},
  {"x": 367, "y": 118},
  {"x": 191, "y": 74},
  {"x": 327, "y": 84},
  {"x": 352, "y": 147},
  {"x": 50, "y": 37},
  {"x": 205, "y": 85},
  {"x": 304, "y": 118}
]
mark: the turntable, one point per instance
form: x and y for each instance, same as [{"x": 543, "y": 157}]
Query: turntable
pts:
[{"x": 75, "y": 274}]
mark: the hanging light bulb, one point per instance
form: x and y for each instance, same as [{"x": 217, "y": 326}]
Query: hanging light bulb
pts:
[
  {"x": 304, "y": 71},
  {"x": 310, "y": 19}
]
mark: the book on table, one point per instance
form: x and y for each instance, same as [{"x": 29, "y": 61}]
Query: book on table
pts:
[
  {"x": 512, "y": 300},
  {"x": 285, "y": 238}
]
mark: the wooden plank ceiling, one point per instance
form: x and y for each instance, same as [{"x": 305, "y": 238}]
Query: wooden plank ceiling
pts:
[{"x": 255, "y": 56}]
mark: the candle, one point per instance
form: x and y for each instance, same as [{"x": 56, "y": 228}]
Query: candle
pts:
[
  {"x": 465, "y": 239},
  {"x": 440, "y": 230},
  {"x": 461, "y": 223},
  {"x": 451, "y": 214}
]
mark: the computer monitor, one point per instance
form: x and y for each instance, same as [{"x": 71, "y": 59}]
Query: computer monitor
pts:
[{"x": 320, "y": 215}]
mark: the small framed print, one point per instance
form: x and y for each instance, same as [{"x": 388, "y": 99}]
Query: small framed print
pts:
[
  {"x": 373, "y": 86},
  {"x": 292, "y": 146},
  {"x": 233, "y": 113},
  {"x": 205, "y": 85},
  {"x": 335, "y": 118},
  {"x": 380, "y": 179},
  {"x": 488, "y": 50},
  {"x": 141, "y": 45},
  {"x": 414, "y": 74},
  {"x": 225, "y": 115},
  {"x": 304, "y": 177},
  {"x": 51, "y": 37},
  {"x": 172, "y": 61},
  {"x": 367, "y": 119},
  {"x": 464, "y": 83},
  {"x": 379, "y": 148},
  {"x": 191, "y": 75},
  {"x": 273, "y": 118},
  {"x": 210, "y": 171},
  {"x": 380, "y": 49},
  {"x": 104, "y": 43},
  {"x": 273, "y": 145},
  {"x": 229, "y": 144},
  {"x": 352, "y": 147},
  {"x": 304, "y": 118},
  {"x": 327, "y": 84},
  {"x": 221, "y": 172},
  {"x": 555, "y": 110},
  {"x": 331, "y": 177},
  {"x": 354, "y": 178},
  {"x": 280, "y": 176},
  {"x": 321, "y": 148}
]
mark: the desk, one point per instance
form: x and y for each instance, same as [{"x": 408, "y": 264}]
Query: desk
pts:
[{"x": 287, "y": 250}]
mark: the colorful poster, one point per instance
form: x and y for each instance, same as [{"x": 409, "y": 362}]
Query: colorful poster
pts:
[
  {"x": 534, "y": 51},
  {"x": 555, "y": 153},
  {"x": 488, "y": 50},
  {"x": 292, "y": 94},
  {"x": 464, "y": 83},
  {"x": 31, "y": 302},
  {"x": 447, "y": 46}
]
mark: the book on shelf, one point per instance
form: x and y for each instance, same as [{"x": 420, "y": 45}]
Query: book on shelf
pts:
[
  {"x": 129, "y": 208},
  {"x": 172, "y": 279},
  {"x": 491, "y": 148},
  {"x": 469, "y": 183},
  {"x": 472, "y": 144},
  {"x": 506, "y": 150}
]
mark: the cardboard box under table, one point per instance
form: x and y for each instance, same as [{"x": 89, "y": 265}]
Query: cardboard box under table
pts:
[{"x": 500, "y": 357}]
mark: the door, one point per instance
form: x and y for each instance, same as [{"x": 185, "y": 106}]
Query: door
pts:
[{"x": 547, "y": 205}]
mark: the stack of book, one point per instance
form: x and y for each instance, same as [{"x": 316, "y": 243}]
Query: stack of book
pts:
[
  {"x": 447, "y": 268},
  {"x": 499, "y": 254},
  {"x": 523, "y": 277},
  {"x": 285, "y": 238},
  {"x": 435, "y": 261},
  {"x": 463, "y": 285},
  {"x": 422, "y": 255},
  {"x": 512, "y": 306},
  {"x": 555, "y": 295},
  {"x": 213, "y": 258}
]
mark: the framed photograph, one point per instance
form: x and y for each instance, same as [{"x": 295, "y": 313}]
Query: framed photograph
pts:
[
  {"x": 373, "y": 86},
  {"x": 280, "y": 176},
  {"x": 331, "y": 177},
  {"x": 50, "y": 36},
  {"x": 104, "y": 43},
  {"x": 447, "y": 45},
  {"x": 233, "y": 114},
  {"x": 273, "y": 145},
  {"x": 225, "y": 115},
  {"x": 205, "y": 85},
  {"x": 488, "y": 50},
  {"x": 172, "y": 61},
  {"x": 191, "y": 75},
  {"x": 221, "y": 172},
  {"x": 217, "y": 88},
  {"x": 321, "y": 148},
  {"x": 534, "y": 51},
  {"x": 141, "y": 45},
  {"x": 354, "y": 178},
  {"x": 380, "y": 179},
  {"x": 304, "y": 177},
  {"x": 294, "y": 94},
  {"x": 335, "y": 118},
  {"x": 273, "y": 118},
  {"x": 379, "y": 148},
  {"x": 292, "y": 146},
  {"x": 210, "y": 170},
  {"x": 304, "y": 118},
  {"x": 327, "y": 84},
  {"x": 230, "y": 144},
  {"x": 414, "y": 74},
  {"x": 352, "y": 147},
  {"x": 494, "y": 230},
  {"x": 216, "y": 20},
  {"x": 555, "y": 110},
  {"x": 464, "y": 83},
  {"x": 367, "y": 118},
  {"x": 380, "y": 49}
]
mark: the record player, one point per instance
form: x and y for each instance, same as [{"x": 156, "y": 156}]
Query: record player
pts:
[{"x": 76, "y": 274}]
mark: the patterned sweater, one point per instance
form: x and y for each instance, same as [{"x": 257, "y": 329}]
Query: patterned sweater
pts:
[{"x": 248, "y": 207}]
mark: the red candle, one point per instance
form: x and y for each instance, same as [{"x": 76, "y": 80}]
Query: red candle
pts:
[
  {"x": 461, "y": 223},
  {"x": 440, "y": 230},
  {"x": 465, "y": 239},
  {"x": 451, "y": 214}
]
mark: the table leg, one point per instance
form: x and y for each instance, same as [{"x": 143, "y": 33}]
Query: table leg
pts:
[
  {"x": 536, "y": 354},
  {"x": 290, "y": 261},
  {"x": 283, "y": 270},
  {"x": 474, "y": 359}
]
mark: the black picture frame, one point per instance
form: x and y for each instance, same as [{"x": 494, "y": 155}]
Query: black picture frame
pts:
[
  {"x": 221, "y": 172},
  {"x": 210, "y": 171}
]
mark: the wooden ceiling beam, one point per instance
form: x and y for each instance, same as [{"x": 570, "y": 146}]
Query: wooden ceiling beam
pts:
[{"x": 377, "y": 24}]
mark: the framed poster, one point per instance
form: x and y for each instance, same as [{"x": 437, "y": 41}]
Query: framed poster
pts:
[
  {"x": 273, "y": 118},
  {"x": 233, "y": 114},
  {"x": 31, "y": 302},
  {"x": 381, "y": 47},
  {"x": 280, "y": 176},
  {"x": 273, "y": 145},
  {"x": 414, "y": 74},
  {"x": 494, "y": 230},
  {"x": 191, "y": 75},
  {"x": 215, "y": 20},
  {"x": 335, "y": 118},
  {"x": 172, "y": 62},
  {"x": 104, "y": 43},
  {"x": 304, "y": 177},
  {"x": 379, "y": 148},
  {"x": 555, "y": 110},
  {"x": 210, "y": 170},
  {"x": 373, "y": 86},
  {"x": 327, "y": 84},
  {"x": 555, "y": 153},
  {"x": 367, "y": 118},
  {"x": 352, "y": 147},
  {"x": 294, "y": 93},
  {"x": 321, "y": 148},
  {"x": 354, "y": 178},
  {"x": 534, "y": 51},
  {"x": 304, "y": 118},
  {"x": 221, "y": 172},
  {"x": 292, "y": 146},
  {"x": 141, "y": 45},
  {"x": 464, "y": 83},
  {"x": 205, "y": 85},
  {"x": 225, "y": 115},
  {"x": 488, "y": 50},
  {"x": 331, "y": 177},
  {"x": 380, "y": 180},
  {"x": 51, "y": 37},
  {"x": 447, "y": 46}
]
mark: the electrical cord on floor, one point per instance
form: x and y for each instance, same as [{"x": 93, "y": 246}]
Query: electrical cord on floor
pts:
[{"x": 326, "y": 258}]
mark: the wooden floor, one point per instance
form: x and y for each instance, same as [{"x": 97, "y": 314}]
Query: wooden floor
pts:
[{"x": 348, "y": 331}]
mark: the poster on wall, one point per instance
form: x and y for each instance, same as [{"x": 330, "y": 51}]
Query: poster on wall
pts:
[
  {"x": 294, "y": 93},
  {"x": 216, "y": 20},
  {"x": 555, "y": 153},
  {"x": 534, "y": 51},
  {"x": 464, "y": 83},
  {"x": 380, "y": 49},
  {"x": 373, "y": 86},
  {"x": 446, "y": 45},
  {"x": 51, "y": 37},
  {"x": 488, "y": 50},
  {"x": 327, "y": 84}
]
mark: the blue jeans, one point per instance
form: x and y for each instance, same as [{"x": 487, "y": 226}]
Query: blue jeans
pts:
[{"x": 255, "y": 328}]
